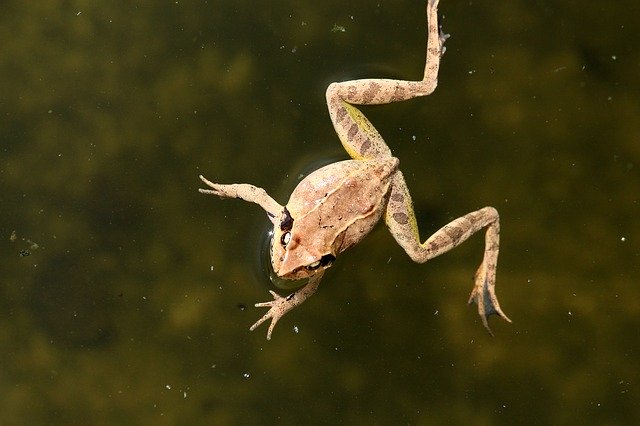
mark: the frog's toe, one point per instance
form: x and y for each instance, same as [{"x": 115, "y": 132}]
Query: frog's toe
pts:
[
  {"x": 270, "y": 303},
  {"x": 277, "y": 308},
  {"x": 281, "y": 305},
  {"x": 263, "y": 319},
  {"x": 207, "y": 182},
  {"x": 483, "y": 295},
  {"x": 215, "y": 188}
]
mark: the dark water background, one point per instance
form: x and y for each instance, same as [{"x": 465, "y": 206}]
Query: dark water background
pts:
[{"x": 126, "y": 296}]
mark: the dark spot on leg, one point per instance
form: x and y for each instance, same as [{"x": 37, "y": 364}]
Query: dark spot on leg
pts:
[
  {"x": 398, "y": 198},
  {"x": 352, "y": 131},
  {"x": 370, "y": 93},
  {"x": 401, "y": 218},
  {"x": 454, "y": 233},
  {"x": 398, "y": 94},
  {"x": 365, "y": 146}
]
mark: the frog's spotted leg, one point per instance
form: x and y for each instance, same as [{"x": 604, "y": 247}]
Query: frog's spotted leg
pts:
[
  {"x": 400, "y": 219},
  {"x": 362, "y": 141},
  {"x": 281, "y": 305},
  {"x": 358, "y": 136},
  {"x": 245, "y": 192}
]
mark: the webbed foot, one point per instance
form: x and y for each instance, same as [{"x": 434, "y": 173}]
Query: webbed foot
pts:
[
  {"x": 484, "y": 295},
  {"x": 278, "y": 307},
  {"x": 281, "y": 305}
]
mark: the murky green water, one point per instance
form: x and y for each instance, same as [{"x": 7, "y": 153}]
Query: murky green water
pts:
[{"x": 126, "y": 296}]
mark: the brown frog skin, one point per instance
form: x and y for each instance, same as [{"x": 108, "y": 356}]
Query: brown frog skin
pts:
[{"x": 336, "y": 206}]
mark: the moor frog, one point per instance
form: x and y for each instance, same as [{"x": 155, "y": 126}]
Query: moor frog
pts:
[{"x": 336, "y": 206}]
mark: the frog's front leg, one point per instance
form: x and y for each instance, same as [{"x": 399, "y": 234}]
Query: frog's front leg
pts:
[
  {"x": 281, "y": 305},
  {"x": 357, "y": 134},
  {"x": 245, "y": 192},
  {"x": 401, "y": 220}
]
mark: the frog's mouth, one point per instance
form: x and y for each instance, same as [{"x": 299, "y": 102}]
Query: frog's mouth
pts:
[{"x": 302, "y": 264}]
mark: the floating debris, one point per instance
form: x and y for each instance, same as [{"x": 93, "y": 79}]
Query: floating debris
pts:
[
  {"x": 31, "y": 244},
  {"x": 338, "y": 29}
]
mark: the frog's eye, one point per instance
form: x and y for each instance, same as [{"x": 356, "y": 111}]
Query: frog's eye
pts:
[
  {"x": 325, "y": 260},
  {"x": 286, "y": 237},
  {"x": 313, "y": 266}
]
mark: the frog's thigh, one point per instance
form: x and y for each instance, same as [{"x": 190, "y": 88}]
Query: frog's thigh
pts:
[
  {"x": 401, "y": 221},
  {"x": 358, "y": 136}
]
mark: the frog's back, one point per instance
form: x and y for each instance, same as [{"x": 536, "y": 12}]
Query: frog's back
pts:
[
  {"x": 342, "y": 202},
  {"x": 345, "y": 177}
]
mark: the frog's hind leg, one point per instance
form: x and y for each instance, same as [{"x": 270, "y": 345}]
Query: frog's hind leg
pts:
[
  {"x": 401, "y": 220},
  {"x": 357, "y": 134}
]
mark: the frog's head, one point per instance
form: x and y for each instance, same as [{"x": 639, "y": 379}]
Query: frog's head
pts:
[{"x": 297, "y": 253}]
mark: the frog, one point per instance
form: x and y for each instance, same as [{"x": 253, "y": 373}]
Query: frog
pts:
[{"x": 336, "y": 206}]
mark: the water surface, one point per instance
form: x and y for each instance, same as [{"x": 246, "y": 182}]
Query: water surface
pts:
[{"x": 126, "y": 296}]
